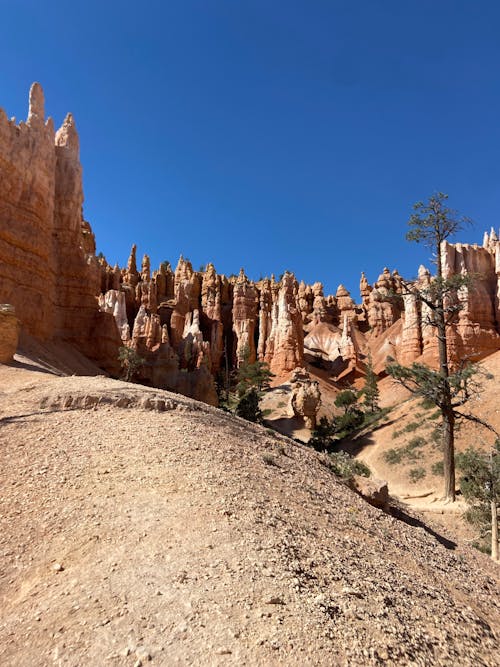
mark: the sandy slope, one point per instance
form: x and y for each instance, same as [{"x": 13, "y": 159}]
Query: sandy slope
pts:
[
  {"x": 425, "y": 494},
  {"x": 195, "y": 538}
]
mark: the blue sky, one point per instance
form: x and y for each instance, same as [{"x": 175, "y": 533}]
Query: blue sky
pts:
[{"x": 264, "y": 134}]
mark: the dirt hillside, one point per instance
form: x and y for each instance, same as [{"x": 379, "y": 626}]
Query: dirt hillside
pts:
[{"x": 138, "y": 525}]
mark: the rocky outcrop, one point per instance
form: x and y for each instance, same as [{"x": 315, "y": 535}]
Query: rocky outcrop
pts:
[
  {"x": 9, "y": 332},
  {"x": 285, "y": 345},
  {"x": 305, "y": 399},
  {"x": 381, "y": 303},
  {"x": 48, "y": 269},
  {"x": 374, "y": 491},
  {"x": 475, "y": 332},
  {"x": 245, "y": 302}
]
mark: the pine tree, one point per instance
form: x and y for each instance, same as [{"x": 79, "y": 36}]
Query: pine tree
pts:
[
  {"x": 252, "y": 374},
  {"x": 431, "y": 224},
  {"x": 346, "y": 400},
  {"x": 130, "y": 362},
  {"x": 480, "y": 486},
  {"x": 253, "y": 378},
  {"x": 248, "y": 406},
  {"x": 370, "y": 391}
]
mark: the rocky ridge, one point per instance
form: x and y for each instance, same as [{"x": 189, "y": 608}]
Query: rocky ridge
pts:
[{"x": 194, "y": 537}]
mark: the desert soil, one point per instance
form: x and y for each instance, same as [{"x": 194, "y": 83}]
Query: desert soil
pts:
[{"x": 140, "y": 526}]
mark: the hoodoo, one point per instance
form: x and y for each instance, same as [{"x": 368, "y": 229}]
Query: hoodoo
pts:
[{"x": 188, "y": 324}]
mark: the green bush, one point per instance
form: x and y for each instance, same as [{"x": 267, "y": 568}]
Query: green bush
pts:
[
  {"x": 322, "y": 437},
  {"x": 344, "y": 466},
  {"x": 412, "y": 426},
  {"x": 437, "y": 469},
  {"x": 248, "y": 406},
  {"x": 393, "y": 456},
  {"x": 415, "y": 443},
  {"x": 348, "y": 422},
  {"x": 416, "y": 474},
  {"x": 130, "y": 362},
  {"x": 436, "y": 435}
]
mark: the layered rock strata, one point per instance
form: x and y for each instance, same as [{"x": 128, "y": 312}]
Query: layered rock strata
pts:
[
  {"x": 192, "y": 326},
  {"x": 48, "y": 268}
]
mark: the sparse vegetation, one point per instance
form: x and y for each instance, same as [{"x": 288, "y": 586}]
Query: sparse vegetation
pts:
[
  {"x": 269, "y": 460},
  {"x": 344, "y": 466},
  {"x": 412, "y": 426},
  {"x": 397, "y": 455},
  {"x": 416, "y": 474},
  {"x": 437, "y": 469},
  {"x": 393, "y": 456},
  {"x": 130, "y": 362},
  {"x": 436, "y": 435},
  {"x": 417, "y": 441}
]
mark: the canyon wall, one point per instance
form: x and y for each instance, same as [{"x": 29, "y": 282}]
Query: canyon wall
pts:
[
  {"x": 194, "y": 328},
  {"x": 48, "y": 268}
]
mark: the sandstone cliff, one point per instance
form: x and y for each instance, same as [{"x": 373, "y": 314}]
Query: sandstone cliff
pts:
[{"x": 48, "y": 269}]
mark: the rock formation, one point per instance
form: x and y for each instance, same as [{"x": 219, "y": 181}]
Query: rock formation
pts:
[
  {"x": 48, "y": 269},
  {"x": 190, "y": 326},
  {"x": 285, "y": 344},
  {"x": 9, "y": 332},
  {"x": 305, "y": 399},
  {"x": 245, "y": 302}
]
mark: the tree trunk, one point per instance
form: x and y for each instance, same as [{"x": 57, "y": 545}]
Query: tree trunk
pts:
[
  {"x": 449, "y": 455},
  {"x": 494, "y": 516},
  {"x": 494, "y": 530},
  {"x": 446, "y": 400}
]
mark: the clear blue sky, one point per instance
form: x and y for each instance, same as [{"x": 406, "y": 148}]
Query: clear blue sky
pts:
[{"x": 268, "y": 134}]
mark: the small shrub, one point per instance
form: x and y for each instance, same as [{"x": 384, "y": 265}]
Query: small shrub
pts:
[
  {"x": 437, "y": 469},
  {"x": 396, "y": 434},
  {"x": 412, "y": 426},
  {"x": 393, "y": 456},
  {"x": 436, "y": 435},
  {"x": 426, "y": 404},
  {"x": 344, "y": 466},
  {"x": 435, "y": 415},
  {"x": 482, "y": 547},
  {"x": 415, "y": 443},
  {"x": 416, "y": 474},
  {"x": 269, "y": 460}
]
